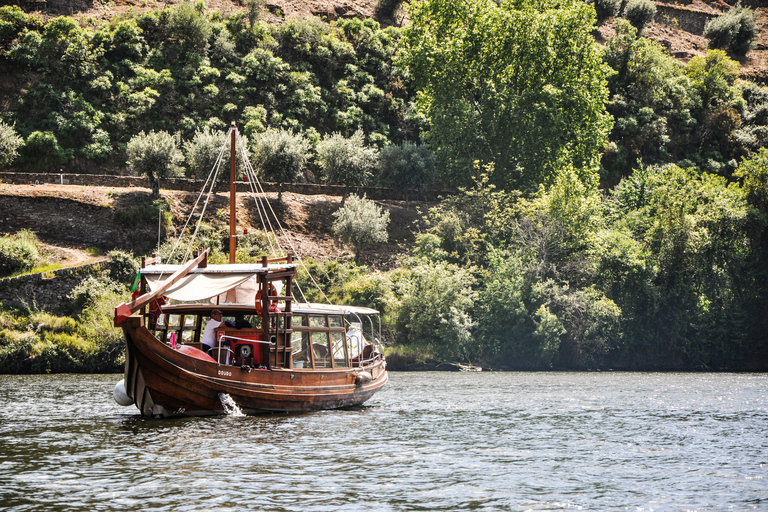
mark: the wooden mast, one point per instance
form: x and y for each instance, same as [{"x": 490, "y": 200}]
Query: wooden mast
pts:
[{"x": 232, "y": 203}]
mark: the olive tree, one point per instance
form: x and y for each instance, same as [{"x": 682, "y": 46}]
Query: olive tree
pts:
[
  {"x": 154, "y": 155},
  {"x": 9, "y": 145},
  {"x": 360, "y": 223},
  {"x": 346, "y": 161},
  {"x": 280, "y": 156}
]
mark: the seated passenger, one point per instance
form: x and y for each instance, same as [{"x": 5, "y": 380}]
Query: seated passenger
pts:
[{"x": 209, "y": 335}]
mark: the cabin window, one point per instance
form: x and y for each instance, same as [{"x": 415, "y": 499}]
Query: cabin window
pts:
[
  {"x": 339, "y": 350},
  {"x": 320, "y": 347},
  {"x": 355, "y": 340},
  {"x": 300, "y": 350},
  {"x": 318, "y": 321}
]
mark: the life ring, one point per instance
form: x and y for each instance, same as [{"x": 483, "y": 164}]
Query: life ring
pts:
[{"x": 272, "y": 293}]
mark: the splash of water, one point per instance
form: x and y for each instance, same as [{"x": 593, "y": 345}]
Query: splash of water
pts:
[{"x": 230, "y": 407}]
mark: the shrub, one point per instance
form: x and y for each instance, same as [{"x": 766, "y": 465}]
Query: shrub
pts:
[
  {"x": 42, "y": 153},
  {"x": 640, "y": 13},
  {"x": 346, "y": 161},
  {"x": 122, "y": 266},
  {"x": 407, "y": 167},
  {"x": 280, "y": 155},
  {"x": 9, "y": 145},
  {"x": 606, "y": 9},
  {"x": 735, "y": 31},
  {"x": 360, "y": 223},
  {"x": 155, "y": 155},
  {"x": 18, "y": 253}
]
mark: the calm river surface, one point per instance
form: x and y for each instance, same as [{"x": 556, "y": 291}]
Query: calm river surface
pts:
[{"x": 428, "y": 441}]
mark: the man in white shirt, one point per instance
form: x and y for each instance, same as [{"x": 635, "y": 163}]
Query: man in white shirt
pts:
[{"x": 209, "y": 336}]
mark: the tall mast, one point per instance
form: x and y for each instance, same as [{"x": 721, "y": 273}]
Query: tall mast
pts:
[{"x": 232, "y": 203}]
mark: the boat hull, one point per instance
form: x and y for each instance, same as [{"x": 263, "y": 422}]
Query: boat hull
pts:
[{"x": 163, "y": 382}]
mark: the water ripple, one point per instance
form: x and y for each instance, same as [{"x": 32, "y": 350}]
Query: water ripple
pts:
[{"x": 489, "y": 441}]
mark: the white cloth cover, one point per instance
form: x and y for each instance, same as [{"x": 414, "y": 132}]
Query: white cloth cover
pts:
[{"x": 196, "y": 287}]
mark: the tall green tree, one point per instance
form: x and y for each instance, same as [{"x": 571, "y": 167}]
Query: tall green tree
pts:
[{"x": 519, "y": 84}]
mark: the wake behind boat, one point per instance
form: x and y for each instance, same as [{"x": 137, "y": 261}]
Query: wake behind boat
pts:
[{"x": 271, "y": 353}]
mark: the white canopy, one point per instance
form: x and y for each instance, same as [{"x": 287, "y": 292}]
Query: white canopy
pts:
[{"x": 220, "y": 285}]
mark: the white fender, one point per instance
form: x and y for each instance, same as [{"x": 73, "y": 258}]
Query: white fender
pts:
[
  {"x": 121, "y": 397},
  {"x": 363, "y": 378}
]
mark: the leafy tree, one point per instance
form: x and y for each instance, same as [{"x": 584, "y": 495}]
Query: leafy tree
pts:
[
  {"x": 518, "y": 84},
  {"x": 10, "y": 142},
  {"x": 606, "y": 9},
  {"x": 407, "y": 167},
  {"x": 281, "y": 156},
  {"x": 346, "y": 161},
  {"x": 432, "y": 309},
  {"x": 640, "y": 13},
  {"x": 361, "y": 223},
  {"x": 154, "y": 155},
  {"x": 41, "y": 153},
  {"x": 734, "y": 31},
  {"x": 203, "y": 151}
]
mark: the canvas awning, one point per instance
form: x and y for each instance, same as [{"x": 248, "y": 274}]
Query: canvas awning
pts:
[{"x": 196, "y": 287}]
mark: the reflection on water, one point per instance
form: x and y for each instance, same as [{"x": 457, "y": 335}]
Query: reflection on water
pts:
[{"x": 428, "y": 441}]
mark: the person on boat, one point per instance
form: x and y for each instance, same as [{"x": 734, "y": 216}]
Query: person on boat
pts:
[{"x": 209, "y": 335}]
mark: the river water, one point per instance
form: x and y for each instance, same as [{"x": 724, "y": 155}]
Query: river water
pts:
[{"x": 428, "y": 441}]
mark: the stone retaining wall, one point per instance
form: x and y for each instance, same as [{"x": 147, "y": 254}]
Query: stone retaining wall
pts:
[
  {"x": 190, "y": 185},
  {"x": 47, "y": 291},
  {"x": 688, "y": 19}
]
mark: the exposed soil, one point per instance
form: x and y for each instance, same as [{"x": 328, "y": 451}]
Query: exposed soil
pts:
[{"x": 71, "y": 218}]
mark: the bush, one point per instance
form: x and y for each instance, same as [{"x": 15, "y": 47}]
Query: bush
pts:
[
  {"x": 280, "y": 155},
  {"x": 360, "y": 223},
  {"x": 346, "y": 161},
  {"x": 640, "y": 13},
  {"x": 735, "y": 31},
  {"x": 203, "y": 151},
  {"x": 9, "y": 145},
  {"x": 42, "y": 153},
  {"x": 606, "y": 9},
  {"x": 407, "y": 167},
  {"x": 122, "y": 266},
  {"x": 155, "y": 155},
  {"x": 18, "y": 253}
]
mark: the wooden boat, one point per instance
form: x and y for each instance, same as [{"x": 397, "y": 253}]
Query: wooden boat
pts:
[{"x": 293, "y": 356}]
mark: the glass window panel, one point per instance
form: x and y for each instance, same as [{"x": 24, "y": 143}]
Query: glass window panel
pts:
[
  {"x": 299, "y": 320},
  {"x": 335, "y": 321},
  {"x": 320, "y": 348},
  {"x": 300, "y": 350},
  {"x": 339, "y": 350},
  {"x": 317, "y": 321}
]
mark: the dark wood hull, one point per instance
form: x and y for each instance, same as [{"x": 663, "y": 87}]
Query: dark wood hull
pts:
[{"x": 164, "y": 382}]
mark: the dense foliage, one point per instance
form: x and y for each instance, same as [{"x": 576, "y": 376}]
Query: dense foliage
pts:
[
  {"x": 517, "y": 84},
  {"x": 534, "y": 262},
  {"x": 182, "y": 70}
]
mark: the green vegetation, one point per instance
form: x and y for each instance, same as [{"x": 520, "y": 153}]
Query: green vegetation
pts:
[
  {"x": 734, "y": 31},
  {"x": 607, "y": 207},
  {"x": 520, "y": 85},
  {"x": 361, "y": 223},
  {"x": 18, "y": 253}
]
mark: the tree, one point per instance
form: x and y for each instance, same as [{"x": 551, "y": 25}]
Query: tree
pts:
[
  {"x": 346, "y": 161},
  {"x": 281, "y": 156},
  {"x": 407, "y": 167},
  {"x": 640, "y": 13},
  {"x": 9, "y": 145},
  {"x": 735, "y": 31},
  {"x": 518, "y": 84},
  {"x": 42, "y": 153},
  {"x": 154, "y": 155},
  {"x": 360, "y": 223}
]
